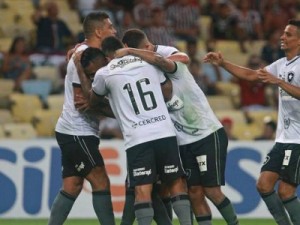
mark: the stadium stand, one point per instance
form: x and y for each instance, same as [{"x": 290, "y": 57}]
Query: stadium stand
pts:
[{"x": 19, "y": 131}]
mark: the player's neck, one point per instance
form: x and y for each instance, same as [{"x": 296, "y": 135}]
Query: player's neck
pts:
[{"x": 92, "y": 43}]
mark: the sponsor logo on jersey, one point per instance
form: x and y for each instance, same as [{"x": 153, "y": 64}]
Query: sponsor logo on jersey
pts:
[
  {"x": 123, "y": 62},
  {"x": 141, "y": 172},
  {"x": 188, "y": 130},
  {"x": 149, "y": 121},
  {"x": 174, "y": 104},
  {"x": 171, "y": 169}
]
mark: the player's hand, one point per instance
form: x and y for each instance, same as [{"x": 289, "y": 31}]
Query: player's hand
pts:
[
  {"x": 267, "y": 77},
  {"x": 121, "y": 52},
  {"x": 72, "y": 50},
  {"x": 214, "y": 58},
  {"x": 77, "y": 58},
  {"x": 81, "y": 104}
]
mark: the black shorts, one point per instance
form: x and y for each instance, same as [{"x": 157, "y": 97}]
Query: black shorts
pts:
[
  {"x": 80, "y": 154},
  {"x": 204, "y": 161},
  {"x": 284, "y": 159},
  {"x": 153, "y": 160}
]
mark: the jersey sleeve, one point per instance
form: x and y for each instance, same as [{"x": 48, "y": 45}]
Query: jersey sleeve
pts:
[
  {"x": 166, "y": 51},
  {"x": 98, "y": 85},
  {"x": 273, "y": 68},
  {"x": 75, "y": 77}
]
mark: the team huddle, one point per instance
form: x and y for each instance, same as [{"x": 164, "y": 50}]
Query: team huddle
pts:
[{"x": 175, "y": 145}]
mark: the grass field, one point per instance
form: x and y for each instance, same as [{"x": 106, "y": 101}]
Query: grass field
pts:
[{"x": 95, "y": 222}]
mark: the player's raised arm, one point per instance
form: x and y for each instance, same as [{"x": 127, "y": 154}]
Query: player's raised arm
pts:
[
  {"x": 241, "y": 72},
  {"x": 151, "y": 57}
]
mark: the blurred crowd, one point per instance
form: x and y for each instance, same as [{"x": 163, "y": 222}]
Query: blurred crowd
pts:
[{"x": 166, "y": 22}]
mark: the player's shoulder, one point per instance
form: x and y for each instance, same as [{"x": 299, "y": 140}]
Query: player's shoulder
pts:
[{"x": 165, "y": 50}]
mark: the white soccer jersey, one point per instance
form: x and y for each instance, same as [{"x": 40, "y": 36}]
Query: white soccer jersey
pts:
[
  {"x": 165, "y": 51},
  {"x": 288, "y": 123},
  {"x": 71, "y": 121},
  {"x": 189, "y": 109},
  {"x": 134, "y": 91}
]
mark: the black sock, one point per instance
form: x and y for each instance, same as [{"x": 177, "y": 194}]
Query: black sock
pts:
[
  {"x": 292, "y": 206},
  {"x": 227, "y": 211},
  {"x": 128, "y": 215},
  {"x": 144, "y": 213},
  {"x": 61, "y": 208},
  {"x": 276, "y": 208},
  {"x": 182, "y": 207},
  {"x": 103, "y": 207}
]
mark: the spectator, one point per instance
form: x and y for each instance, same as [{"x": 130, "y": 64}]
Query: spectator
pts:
[
  {"x": 224, "y": 23},
  {"x": 275, "y": 18},
  {"x": 184, "y": 19},
  {"x": 253, "y": 93},
  {"x": 269, "y": 130},
  {"x": 16, "y": 63},
  {"x": 271, "y": 50},
  {"x": 52, "y": 34},
  {"x": 228, "y": 125},
  {"x": 249, "y": 23},
  {"x": 142, "y": 13},
  {"x": 192, "y": 49},
  {"x": 126, "y": 22},
  {"x": 207, "y": 86},
  {"x": 158, "y": 31}
]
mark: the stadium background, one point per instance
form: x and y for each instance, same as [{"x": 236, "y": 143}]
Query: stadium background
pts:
[{"x": 29, "y": 171}]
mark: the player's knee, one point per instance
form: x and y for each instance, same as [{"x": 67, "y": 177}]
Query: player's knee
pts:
[
  {"x": 262, "y": 188},
  {"x": 196, "y": 193},
  {"x": 215, "y": 194}
]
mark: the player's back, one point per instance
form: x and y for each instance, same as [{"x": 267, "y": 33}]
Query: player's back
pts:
[{"x": 134, "y": 90}]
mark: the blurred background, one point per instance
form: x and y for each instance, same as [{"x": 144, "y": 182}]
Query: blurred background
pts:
[{"x": 36, "y": 34}]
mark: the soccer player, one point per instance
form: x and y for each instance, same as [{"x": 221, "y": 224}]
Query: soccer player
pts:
[
  {"x": 78, "y": 137},
  {"x": 201, "y": 137},
  {"x": 282, "y": 162},
  {"x": 136, "y": 99}
]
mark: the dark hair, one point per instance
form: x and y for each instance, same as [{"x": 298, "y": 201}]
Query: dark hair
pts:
[
  {"x": 110, "y": 45},
  {"x": 91, "y": 54},
  {"x": 133, "y": 37},
  {"x": 272, "y": 124},
  {"x": 13, "y": 45},
  {"x": 294, "y": 22},
  {"x": 92, "y": 21}
]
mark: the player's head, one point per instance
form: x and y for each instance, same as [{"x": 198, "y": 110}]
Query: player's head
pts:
[
  {"x": 110, "y": 45},
  {"x": 91, "y": 60},
  {"x": 135, "y": 38},
  {"x": 295, "y": 23},
  {"x": 99, "y": 24},
  {"x": 290, "y": 39}
]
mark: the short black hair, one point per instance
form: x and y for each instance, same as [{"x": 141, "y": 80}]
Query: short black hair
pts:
[
  {"x": 294, "y": 22},
  {"x": 92, "y": 21},
  {"x": 133, "y": 37},
  {"x": 110, "y": 45},
  {"x": 91, "y": 54},
  {"x": 271, "y": 124}
]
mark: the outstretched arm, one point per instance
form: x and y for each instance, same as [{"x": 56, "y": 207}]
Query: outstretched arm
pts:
[
  {"x": 236, "y": 70},
  {"x": 151, "y": 57},
  {"x": 180, "y": 57}
]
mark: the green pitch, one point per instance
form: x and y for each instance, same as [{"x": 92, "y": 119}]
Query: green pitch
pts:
[{"x": 94, "y": 222}]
